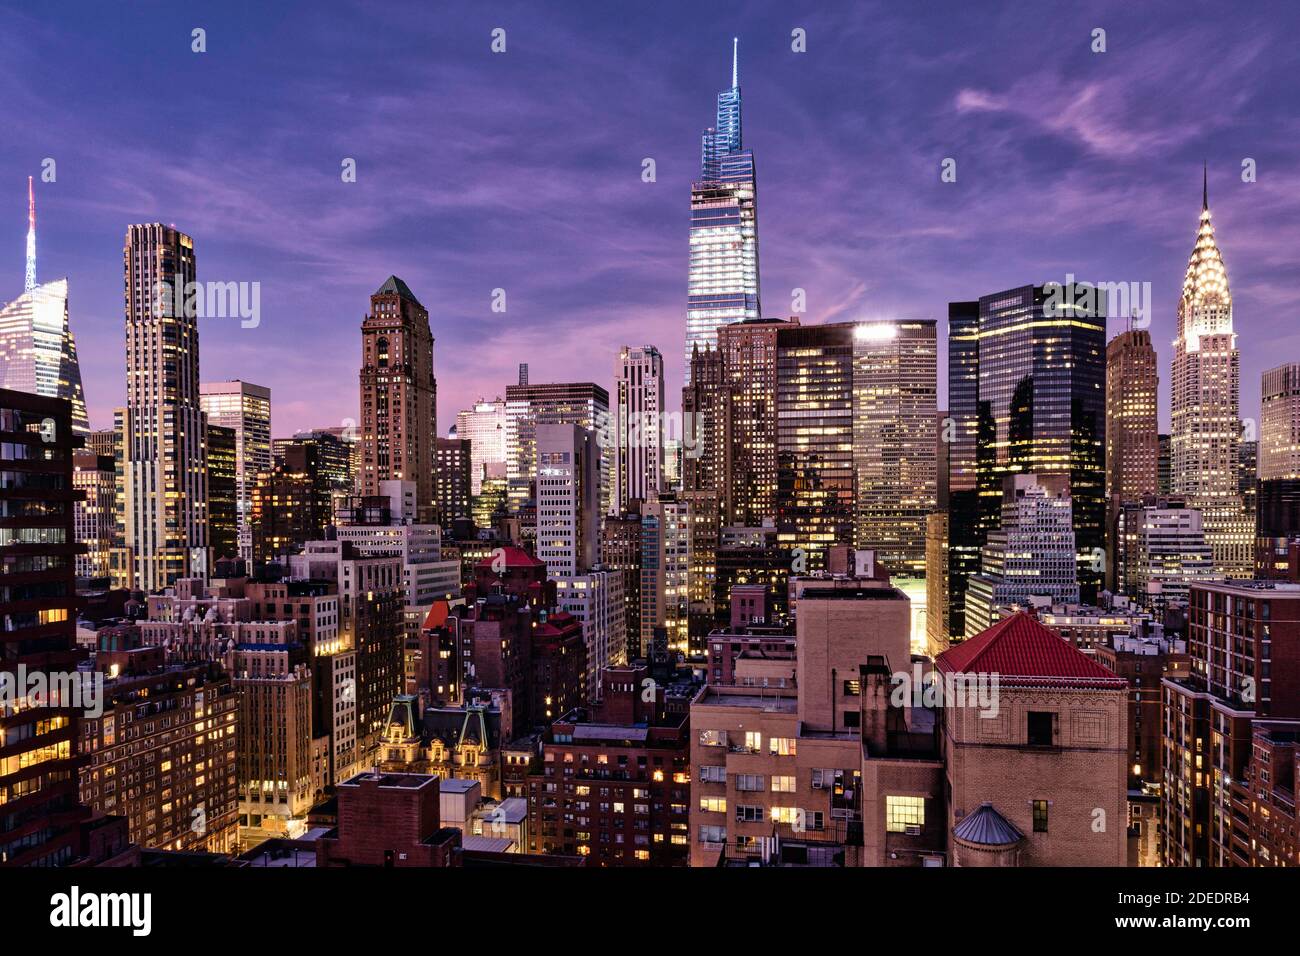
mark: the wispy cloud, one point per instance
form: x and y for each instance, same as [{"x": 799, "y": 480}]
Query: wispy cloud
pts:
[{"x": 523, "y": 171}]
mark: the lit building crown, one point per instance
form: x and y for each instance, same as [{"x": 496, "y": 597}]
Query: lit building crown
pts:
[{"x": 1206, "y": 283}]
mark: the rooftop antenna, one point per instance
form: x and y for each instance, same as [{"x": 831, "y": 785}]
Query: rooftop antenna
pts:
[
  {"x": 735, "y": 62},
  {"x": 30, "y": 282}
]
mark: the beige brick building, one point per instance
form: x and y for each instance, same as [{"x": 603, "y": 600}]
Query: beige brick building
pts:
[
  {"x": 1050, "y": 762},
  {"x": 1010, "y": 751},
  {"x": 777, "y": 772}
]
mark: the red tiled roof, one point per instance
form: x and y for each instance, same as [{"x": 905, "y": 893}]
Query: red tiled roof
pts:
[
  {"x": 437, "y": 615},
  {"x": 515, "y": 558},
  {"x": 1020, "y": 649},
  {"x": 557, "y": 623}
]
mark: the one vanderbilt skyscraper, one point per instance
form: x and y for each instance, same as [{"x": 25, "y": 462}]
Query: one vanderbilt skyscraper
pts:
[{"x": 722, "y": 287}]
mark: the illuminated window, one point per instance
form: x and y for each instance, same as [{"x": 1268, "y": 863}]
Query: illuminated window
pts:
[{"x": 903, "y": 812}]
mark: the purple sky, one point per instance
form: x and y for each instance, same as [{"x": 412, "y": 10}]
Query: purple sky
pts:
[{"x": 522, "y": 171}]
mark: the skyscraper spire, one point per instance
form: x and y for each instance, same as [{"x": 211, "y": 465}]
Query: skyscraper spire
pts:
[
  {"x": 1206, "y": 280},
  {"x": 723, "y": 279},
  {"x": 30, "y": 282},
  {"x": 1205, "y": 418}
]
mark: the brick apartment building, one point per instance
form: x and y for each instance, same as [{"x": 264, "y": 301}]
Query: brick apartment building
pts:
[
  {"x": 389, "y": 820},
  {"x": 614, "y": 780},
  {"x": 865, "y": 774},
  {"x": 1144, "y": 662},
  {"x": 1243, "y": 638},
  {"x": 395, "y": 820},
  {"x": 1266, "y": 796},
  {"x": 162, "y": 753},
  {"x": 777, "y": 769}
]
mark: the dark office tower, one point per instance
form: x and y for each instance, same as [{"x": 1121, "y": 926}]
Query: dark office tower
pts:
[
  {"x": 1277, "y": 529},
  {"x": 165, "y": 522},
  {"x": 334, "y": 455},
  {"x": 38, "y": 745},
  {"x": 814, "y": 439},
  {"x": 895, "y": 439},
  {"x": 941, "y": 459},
  {"x": 1164, "y": 466},
  {"x": 1042, "y": 374},
  {"x": 937, "y": 570},
  {"x": 704, "y": 424},
  {"x": 749, "y": 376},
  {"x": 562, "y": 403},
  {"x": 723, "y": 283},
  {"x": 246, "y": 408},
  {"x": 960, "y": 432},
  {"x": 1132, "y": 439},
  {"x": 291, "y": 504},
  {"x": 1248, "y": 473},
  {"x": 398, "y": 395},
  {"x": 620, "y": 552},
  {"x": 452, "y": 479},
  {"x": 1035, "y": 405},
  {"x": 1277, "y": 504},
  {"x": 223, "y": 492}
]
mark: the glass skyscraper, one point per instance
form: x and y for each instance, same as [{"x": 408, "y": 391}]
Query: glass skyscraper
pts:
[
  {"x": 38, "y": 354},
  {"x": 37, "y": 351},
  {"x": 814, "y": 502},
  {"x": 246, "y": 408},
  {"x": 1026, "y": 395},
  {"x": 895, "y": 449},
  {"x": 723, "y": 139},
  {"x": 959, "y": 433},
  {"x": 723, "y": 276}
]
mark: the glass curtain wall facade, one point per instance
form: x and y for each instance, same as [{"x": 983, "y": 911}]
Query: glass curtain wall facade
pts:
[
  {"x": 1027, "y": 396},
  {"x": 895, "y": 388},
  {"x": 723, "y": 281}
]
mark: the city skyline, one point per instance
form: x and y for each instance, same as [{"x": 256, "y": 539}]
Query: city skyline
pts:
[
  {"x": 894, "y": 244},
  {"x": 968, "y": 536}
]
